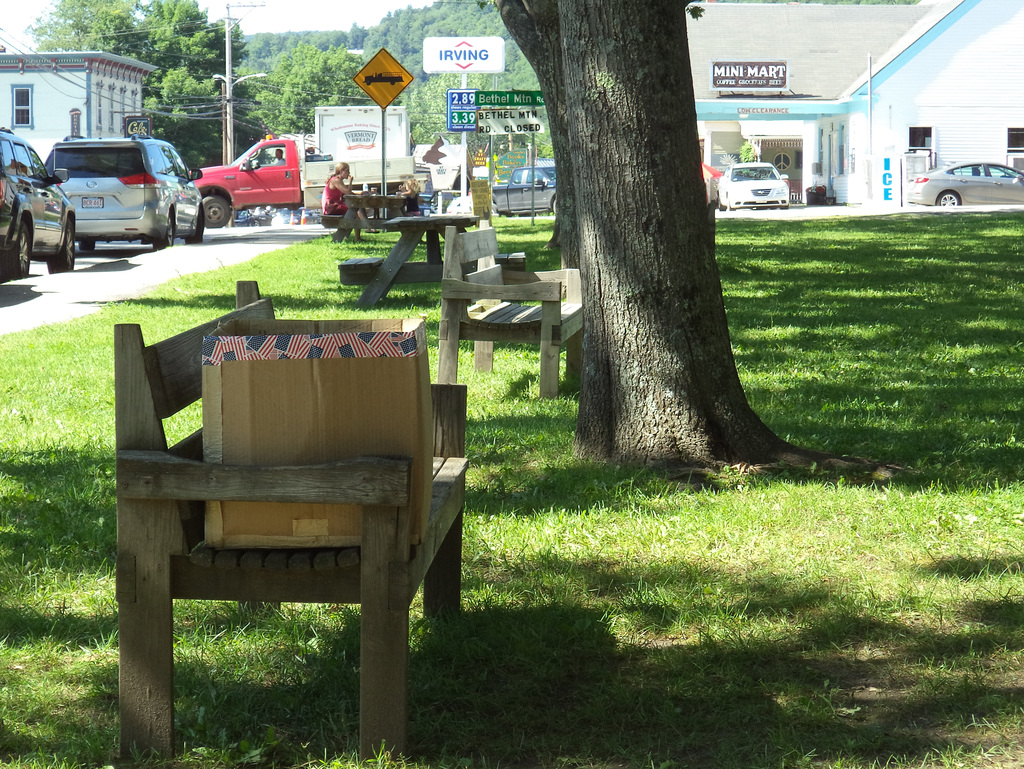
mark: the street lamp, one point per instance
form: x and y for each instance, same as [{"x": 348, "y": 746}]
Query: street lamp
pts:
[{"x": 229, "y": 111}]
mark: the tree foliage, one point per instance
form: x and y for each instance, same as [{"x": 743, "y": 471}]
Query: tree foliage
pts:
[
  {"x": 302, "y": 80},
  {"x": 90, "y": 25},
  {"x": 177, "y": 37}
]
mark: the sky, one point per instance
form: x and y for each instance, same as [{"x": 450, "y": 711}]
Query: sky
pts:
[{"x": 255, "y": 15}]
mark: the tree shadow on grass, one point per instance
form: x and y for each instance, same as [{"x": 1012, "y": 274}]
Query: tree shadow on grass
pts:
[{"x": 783, "y": 672}]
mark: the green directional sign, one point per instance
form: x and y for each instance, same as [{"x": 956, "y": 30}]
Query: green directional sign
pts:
[{"x": 509, "y": 99}]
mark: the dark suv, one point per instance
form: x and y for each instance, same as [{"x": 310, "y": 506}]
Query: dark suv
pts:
[
  {"x": 36, "y": 218},
  {"x": 137, "y": 188}
]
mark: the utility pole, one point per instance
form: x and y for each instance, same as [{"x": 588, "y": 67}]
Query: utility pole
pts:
[{"x": 229, "y": 25}]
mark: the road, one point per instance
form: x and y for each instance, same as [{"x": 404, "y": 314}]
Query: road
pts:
[{"x": 115, "y": 272}]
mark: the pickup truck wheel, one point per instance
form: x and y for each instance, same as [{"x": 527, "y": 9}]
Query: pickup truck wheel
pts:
[
  {"x": 217, "y": 210},
  {"x": 64, "y": 259},
  {"x": 554, "y": 206}
]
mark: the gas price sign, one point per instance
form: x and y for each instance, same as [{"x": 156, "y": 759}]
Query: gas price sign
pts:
[{"x": 462, "y": 109}]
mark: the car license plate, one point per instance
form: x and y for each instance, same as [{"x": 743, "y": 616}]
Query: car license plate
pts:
[{"x": 92, "y": 202}]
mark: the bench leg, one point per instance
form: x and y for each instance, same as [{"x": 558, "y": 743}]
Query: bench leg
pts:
[
  {"x": 345, "y": 226},
  {"x": 381, "y": 282},
  {"x": 574, "y": 354},
  {"x": 442, "y": 584},
  {"x": 483, "y": 356},
  {"x": 549, "y": 369},
  {"x": 147, "y": 533},
  {"x": 383, "y": 639},
  {"x": 448, "y": 348},
  {"x": 433, "y": 247}
]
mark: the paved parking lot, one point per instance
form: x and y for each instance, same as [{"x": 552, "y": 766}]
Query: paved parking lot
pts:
[{"x": 116, "y": 272}]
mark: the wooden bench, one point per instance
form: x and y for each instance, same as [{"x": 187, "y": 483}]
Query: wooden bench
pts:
[
  {"x": 484, "y": 302},
  {"x": 160, "y": 529}
]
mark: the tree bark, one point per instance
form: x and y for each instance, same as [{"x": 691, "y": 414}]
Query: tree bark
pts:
[
  {"x": 659, "y": 382},
  {"x": 534, "y": 26}
]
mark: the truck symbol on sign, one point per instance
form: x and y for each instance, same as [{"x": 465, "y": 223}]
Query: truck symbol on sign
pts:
[{"x": 394, "y": 78}]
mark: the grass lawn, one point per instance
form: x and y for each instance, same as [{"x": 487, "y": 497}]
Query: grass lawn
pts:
[{"x": 613, "y": 617}]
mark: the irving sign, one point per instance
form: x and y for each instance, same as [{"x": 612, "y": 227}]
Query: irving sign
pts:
[{"x": 749, "y": 76}]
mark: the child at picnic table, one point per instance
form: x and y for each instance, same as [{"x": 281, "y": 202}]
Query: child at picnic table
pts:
[{"x": 410, "y": 190}]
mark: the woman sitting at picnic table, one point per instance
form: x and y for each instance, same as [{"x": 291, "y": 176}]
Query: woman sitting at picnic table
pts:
[{"x": 333, "y": 200}]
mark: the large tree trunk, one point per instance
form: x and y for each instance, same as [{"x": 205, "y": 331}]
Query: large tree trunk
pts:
[
  {"x": 533, "y": 24},
  {"x": 659, "y": 382}
]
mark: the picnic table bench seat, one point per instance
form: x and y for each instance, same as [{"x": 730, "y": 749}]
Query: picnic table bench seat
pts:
[
  {"x": 161, "y": 554},
  {"x": 360, "y": 270}
]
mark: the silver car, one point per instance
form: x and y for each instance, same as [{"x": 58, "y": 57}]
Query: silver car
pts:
[
  {"x": 130, "y": 189},
  {"x": 966, "y": 184}
]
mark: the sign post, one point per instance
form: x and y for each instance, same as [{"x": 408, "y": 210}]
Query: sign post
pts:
[
  {"x": 464, "y": 55},
  {"x": 383, "y": 79}
]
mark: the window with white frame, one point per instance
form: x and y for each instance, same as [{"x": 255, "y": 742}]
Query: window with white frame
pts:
[{"x": 22, "y": 97}]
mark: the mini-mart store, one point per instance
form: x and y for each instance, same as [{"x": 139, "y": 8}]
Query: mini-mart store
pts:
[{"x": 860, "y": 98}]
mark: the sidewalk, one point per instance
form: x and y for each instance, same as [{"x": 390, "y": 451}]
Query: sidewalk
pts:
[{"x": 116, "y": 273}]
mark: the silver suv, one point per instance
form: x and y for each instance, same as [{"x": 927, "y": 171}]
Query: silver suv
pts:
[{"x": 130, "y": 189}]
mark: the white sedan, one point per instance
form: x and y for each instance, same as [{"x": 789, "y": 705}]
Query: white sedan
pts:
[{"x": 752, "y": 185}]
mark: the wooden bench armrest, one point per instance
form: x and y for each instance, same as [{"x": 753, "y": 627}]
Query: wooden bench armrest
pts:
[
  {"x": 356, "y": 481},
  {"x": 539, "y": 291}
]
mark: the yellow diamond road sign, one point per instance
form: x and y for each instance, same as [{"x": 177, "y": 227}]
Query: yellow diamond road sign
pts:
[{"x": 383, "y": 78}]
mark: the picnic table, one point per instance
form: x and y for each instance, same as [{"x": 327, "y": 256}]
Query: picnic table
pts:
[{"x": 380, "y": 274}]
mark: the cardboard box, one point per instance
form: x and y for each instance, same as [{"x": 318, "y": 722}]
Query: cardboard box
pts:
[{"x": 292, "y": 393}]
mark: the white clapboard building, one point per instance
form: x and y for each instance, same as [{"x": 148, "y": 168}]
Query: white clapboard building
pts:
[{"x": 50, "y": 96}]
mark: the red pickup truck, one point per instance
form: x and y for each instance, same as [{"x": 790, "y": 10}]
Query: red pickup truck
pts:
[
  {"x": 270, "y": 173},
  {"x": 274, "y": 173}
]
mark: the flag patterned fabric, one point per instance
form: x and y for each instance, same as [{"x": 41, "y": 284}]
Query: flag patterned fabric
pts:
[{"x": 361, "y": 344}]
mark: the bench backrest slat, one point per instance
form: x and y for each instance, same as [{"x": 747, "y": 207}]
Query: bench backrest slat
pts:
[
  {"x": 488, "y": 276},
  {"x": 179, "y": 360},
  {"x": 154, "y": 382}
]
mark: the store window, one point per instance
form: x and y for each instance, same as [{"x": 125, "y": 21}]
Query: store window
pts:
[
  {"x": 920, "y": 138},
  {"x": 22, "y": 106},
  {"x": 1015, "y": 139}
]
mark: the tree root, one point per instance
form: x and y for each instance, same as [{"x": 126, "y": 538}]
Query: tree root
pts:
[{"x": 792, "y": 462}]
